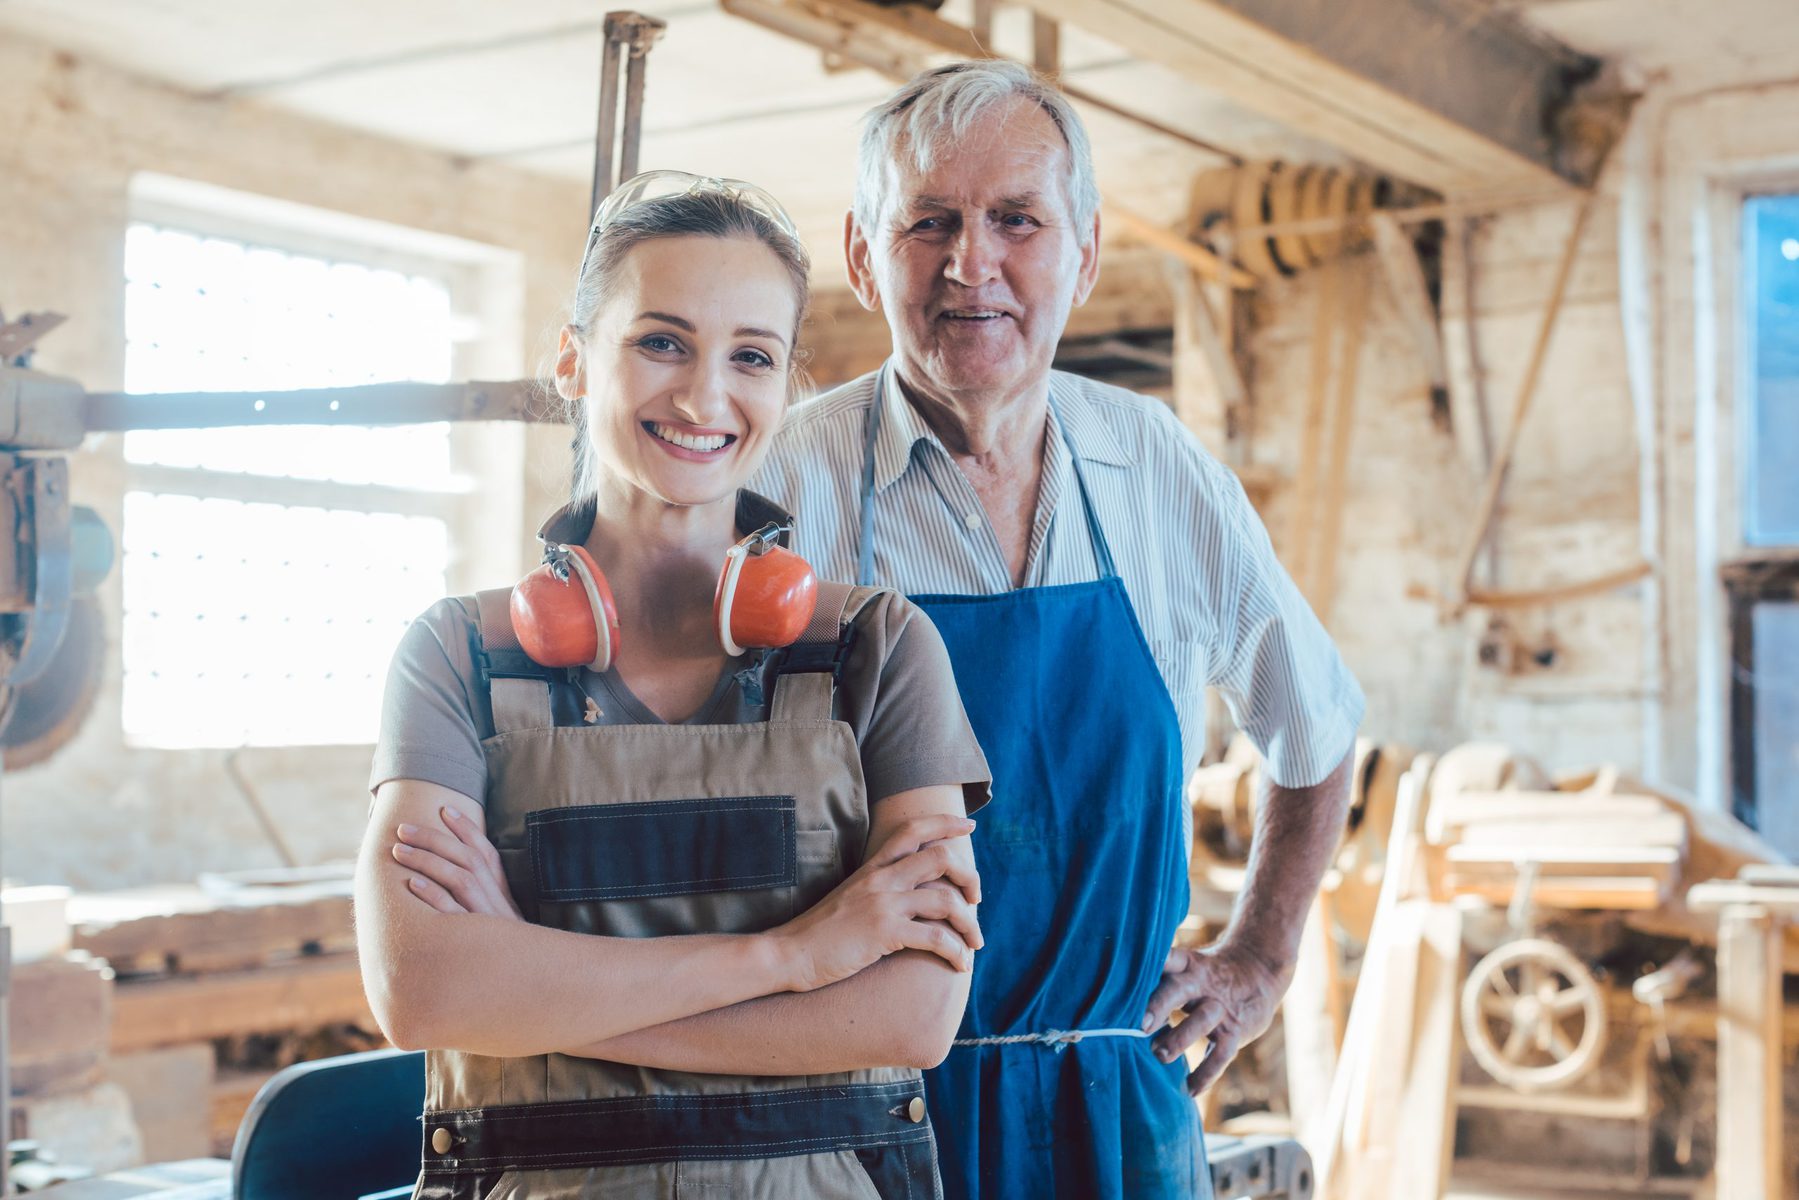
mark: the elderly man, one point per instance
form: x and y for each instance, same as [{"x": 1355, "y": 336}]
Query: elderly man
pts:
[{"x": 1092, "y": 570}]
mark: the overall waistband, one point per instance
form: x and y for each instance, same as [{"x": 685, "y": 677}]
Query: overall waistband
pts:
[{"x": 670, "y": 1128}]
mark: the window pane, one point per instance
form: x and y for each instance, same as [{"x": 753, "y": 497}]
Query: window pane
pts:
[
  {"x": 257, "y": 623},
  {"x": 1776, "y": 641},
  {"x": 1771, "y": 427},
  {"x": 264, "y": 625},
  {"x": 208, "y": 315}
]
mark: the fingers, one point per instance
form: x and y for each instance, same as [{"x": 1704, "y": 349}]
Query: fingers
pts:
[
  {"x": 1223, "y": 1050},
  {"x": 1177, "y": 989},
  {"x": 917, "y": 832},
  {"x": 471, "y": 836},
  {"x": 1202, "y": 1021},
  {"x": 433, "y": 895},
  {"x": 938, "y": 861},
  {"x": 939, "y": 940},
  {"x": 940, "y": 903}
]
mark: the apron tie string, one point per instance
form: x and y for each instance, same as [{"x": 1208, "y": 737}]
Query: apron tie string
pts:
[{"x": 1056, "y": 1039}]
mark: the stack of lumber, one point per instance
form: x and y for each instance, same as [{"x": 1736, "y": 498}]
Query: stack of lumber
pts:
[
  {"x": 58, "y": 1021},
  {"x": 1574, "y": 850},
  {"x": 265, "y": 955}
]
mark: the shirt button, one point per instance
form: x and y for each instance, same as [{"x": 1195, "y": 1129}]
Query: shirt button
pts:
[
  {"x": 972, "y": 520},
  {"x": 441, "y": 1140},
  {"x": 915, "y": 1110}
]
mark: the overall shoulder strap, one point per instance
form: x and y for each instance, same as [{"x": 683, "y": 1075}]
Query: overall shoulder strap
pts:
[
  {"x": 806, "y": 678},
  {"x": 518, "y": 688}
]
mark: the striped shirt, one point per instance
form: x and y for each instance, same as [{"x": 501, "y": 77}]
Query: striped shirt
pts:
[{"x": 1215, "y": 605}]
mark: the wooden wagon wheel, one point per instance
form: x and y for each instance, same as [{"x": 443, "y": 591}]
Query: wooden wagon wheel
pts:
[{"x": 1533, "y": 1015}]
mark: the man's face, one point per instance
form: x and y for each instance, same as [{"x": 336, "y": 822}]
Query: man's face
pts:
[{"x": 977, "y": 262}]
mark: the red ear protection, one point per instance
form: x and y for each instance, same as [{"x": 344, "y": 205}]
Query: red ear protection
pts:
[
  {"x": 564, "y": 616},
  {"x": 766, "y": 594},
  {"x": 563, "y": 612}
]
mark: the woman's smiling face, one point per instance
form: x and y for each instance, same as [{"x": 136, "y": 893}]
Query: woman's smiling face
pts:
[{"x": 686, "y": 367}]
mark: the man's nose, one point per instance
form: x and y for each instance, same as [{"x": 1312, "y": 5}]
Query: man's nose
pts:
[{"x": 975, "y": 255}]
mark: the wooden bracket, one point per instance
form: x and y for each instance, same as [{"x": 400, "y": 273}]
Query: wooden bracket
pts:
[{"x": 1405, "y": 276}]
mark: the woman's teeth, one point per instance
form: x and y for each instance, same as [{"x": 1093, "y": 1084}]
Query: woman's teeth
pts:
[{"x": 688, "y": 441}]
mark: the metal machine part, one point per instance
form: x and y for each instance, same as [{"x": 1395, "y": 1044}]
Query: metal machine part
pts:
[{"x": 1251, "y": 1168}]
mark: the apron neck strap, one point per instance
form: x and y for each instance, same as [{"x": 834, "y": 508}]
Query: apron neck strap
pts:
[{"x": 865, "y": 537}]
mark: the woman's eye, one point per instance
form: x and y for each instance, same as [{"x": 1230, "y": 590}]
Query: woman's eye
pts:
[
  {"x": 659, "y": 343},
  {"x": 754, "y": 358}
]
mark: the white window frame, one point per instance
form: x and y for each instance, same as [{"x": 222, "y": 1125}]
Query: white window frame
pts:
[
  {"x": 1710, "y": 151},
  {"x": 486, "y": 295}
]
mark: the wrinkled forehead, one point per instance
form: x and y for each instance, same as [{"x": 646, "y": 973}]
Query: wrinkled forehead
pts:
[{"x": 1000, "y": 159}]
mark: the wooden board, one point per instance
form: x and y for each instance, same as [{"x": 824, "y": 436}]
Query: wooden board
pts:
[
  {"x": 303, "y": 994},
  {"x": 188, "y": 928},
  {"x": 57, "y": 1020},
  {"x": 1598, "y": 892}
]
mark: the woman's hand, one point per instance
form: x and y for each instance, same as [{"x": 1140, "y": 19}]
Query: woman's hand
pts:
[
  {"x": 456, "y": 871},
  {"x": 912, "y": 893}
]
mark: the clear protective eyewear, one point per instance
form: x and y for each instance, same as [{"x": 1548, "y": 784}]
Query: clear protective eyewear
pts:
[{"x": 657, "y": 185}]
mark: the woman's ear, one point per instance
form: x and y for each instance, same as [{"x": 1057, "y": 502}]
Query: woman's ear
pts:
[{"x": 571, "y": 373}]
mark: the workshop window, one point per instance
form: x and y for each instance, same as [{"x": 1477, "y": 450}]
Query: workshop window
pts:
[
  {"x": 1763, "y": 584},
  {"x": 269, "y": 572}
]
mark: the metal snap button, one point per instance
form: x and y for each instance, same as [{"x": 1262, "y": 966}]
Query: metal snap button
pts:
[
  {"x": 915, "y": 1110},
  {"x": 442, "y": 1140}
]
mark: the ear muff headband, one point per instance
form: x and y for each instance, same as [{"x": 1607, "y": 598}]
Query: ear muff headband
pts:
[
  {"x": 727, "y": 596},
  {"x": 602, "y": 655}
]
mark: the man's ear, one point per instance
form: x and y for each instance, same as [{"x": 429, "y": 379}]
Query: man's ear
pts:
[
  {"x": 1088, "y": 277},
  {"x": 857, "y": 260},
  {"x": 571, "y": 374}
]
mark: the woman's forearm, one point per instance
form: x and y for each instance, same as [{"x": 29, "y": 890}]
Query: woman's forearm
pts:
[
  {"x": 902, "y": 1011},
  {"x": 501, "y": 987}
]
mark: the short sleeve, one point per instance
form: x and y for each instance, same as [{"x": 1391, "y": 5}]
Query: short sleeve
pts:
[
  {"x": 1285, "y": 683},
  {"x": 431, "y": 718},
  {"x": 899, "y": 695}
]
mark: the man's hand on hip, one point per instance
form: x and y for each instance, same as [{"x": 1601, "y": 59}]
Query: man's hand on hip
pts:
[{"x": 1229, "y": 995}]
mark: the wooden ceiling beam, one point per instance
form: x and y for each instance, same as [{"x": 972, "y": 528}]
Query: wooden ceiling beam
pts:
[{"x": 1439, "y": 92}]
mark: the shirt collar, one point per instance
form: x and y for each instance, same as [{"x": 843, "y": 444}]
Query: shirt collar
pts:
[
  {"x": 1083, "y": 429},
  {"x": 570, "y": 524}
]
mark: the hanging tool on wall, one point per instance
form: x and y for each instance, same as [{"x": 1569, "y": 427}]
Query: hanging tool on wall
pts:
[{"x": 629, "y": 36}]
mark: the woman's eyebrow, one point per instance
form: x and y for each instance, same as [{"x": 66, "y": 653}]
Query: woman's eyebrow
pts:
[
  {"x": 668, "y": 318},
  {"x": 755, "y": 331}
]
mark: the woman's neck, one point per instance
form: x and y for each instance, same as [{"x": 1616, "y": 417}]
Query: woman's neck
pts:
[{"x": 662, "y": 562}]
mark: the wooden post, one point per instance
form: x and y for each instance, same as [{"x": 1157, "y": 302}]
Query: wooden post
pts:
[{"x": 1750, "y": 1165}]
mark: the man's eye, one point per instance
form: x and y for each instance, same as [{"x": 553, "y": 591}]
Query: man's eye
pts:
[
  {"x": 1017, "y": 221},
  {"x": 928, "y": 225}
]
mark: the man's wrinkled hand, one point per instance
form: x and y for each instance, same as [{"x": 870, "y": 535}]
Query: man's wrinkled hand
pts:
[{"x": 1229, "y": 996}]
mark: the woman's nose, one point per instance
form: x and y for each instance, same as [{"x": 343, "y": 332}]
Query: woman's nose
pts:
[{"x": 706, "y": 396}]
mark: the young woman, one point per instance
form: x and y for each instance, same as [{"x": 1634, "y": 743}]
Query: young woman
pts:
[{"x": 683, "y": 918}]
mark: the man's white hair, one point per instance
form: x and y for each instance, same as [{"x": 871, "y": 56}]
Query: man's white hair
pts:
[{"x": 938, "y": 108}]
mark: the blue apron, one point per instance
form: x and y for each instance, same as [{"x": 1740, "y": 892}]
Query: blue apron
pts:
[{"x": 1050, "y": 1090}]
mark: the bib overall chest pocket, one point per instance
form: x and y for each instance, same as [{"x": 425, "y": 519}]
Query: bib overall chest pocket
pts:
[{"x": 729, "y": 864}]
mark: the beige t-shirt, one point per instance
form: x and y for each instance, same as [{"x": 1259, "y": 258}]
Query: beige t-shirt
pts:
[{"x": 896, "y": 691}]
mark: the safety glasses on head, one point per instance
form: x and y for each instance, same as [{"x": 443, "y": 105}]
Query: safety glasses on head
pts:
[{"x": 656, "y": 185}]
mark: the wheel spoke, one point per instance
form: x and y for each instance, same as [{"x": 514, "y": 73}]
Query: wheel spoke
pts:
[
  {"x": 1567, "y": 1000},
  {"x": 1558, "y": 1041},
  {"x": 1498, "y": 1006},
  {"x": 1516, "y": 1044}
]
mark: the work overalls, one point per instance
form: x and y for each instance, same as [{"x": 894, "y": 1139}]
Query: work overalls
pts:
[{"x": 648, "y": 831}]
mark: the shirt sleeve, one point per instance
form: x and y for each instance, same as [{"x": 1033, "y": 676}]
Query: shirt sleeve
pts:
[
  {"x": 899, "y": 695},
  {"x": 431, "y": 718},
  {"x": 1279, "y": 672}
]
